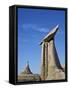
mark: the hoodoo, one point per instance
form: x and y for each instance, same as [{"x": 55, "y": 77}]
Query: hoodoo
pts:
[
  {"x": 27, "y": 75},
  {"x": 51, "y": 68}
]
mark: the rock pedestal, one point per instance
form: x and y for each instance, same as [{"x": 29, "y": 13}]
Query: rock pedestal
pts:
[{"x": 51, "y": 68}]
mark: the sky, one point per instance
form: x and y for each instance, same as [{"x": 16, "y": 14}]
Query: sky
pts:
[{"x": 33, "y": 26}]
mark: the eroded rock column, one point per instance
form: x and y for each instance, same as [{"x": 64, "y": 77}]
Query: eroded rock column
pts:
[
  {"x": 54, "y": 67},
  {"x": 46, "y": 59},
  {"x": 44, "y": 63},
  {"x": 51, "y": 68}
]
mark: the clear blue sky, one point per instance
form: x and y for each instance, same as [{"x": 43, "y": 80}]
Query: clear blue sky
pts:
[{"x": 33, "y": 25}]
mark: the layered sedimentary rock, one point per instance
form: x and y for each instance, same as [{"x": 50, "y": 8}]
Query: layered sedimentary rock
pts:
[
  {"x": 51, "y": 68},
  {"x": 27, "y": 75},
  {"x": 44, "y": 63}
]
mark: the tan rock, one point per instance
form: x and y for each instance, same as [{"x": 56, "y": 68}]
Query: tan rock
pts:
[{"x": 51, "y": 68}]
